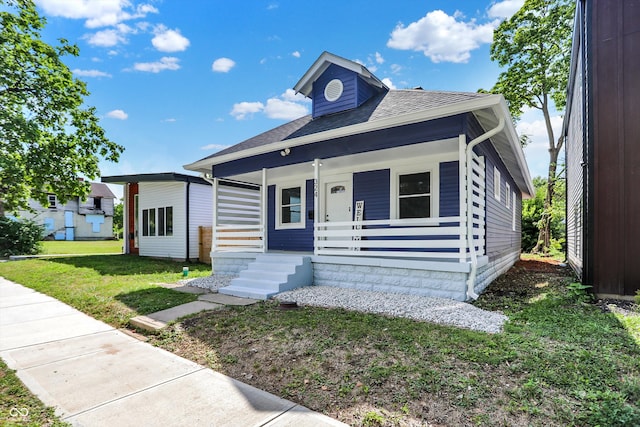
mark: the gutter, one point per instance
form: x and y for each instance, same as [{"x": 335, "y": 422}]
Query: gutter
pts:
[{"x": 471, "y": 293}]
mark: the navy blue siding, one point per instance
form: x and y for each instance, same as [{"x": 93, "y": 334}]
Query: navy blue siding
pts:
[
  {"x": 374, "y": 188},
  {"x": 349, "y": 96},
  {"x": 447, "y": 127},
  {"x": 364, "y": 91},
  {"x": 290, "y": 239},
  {"x": 449, "y": 189},
  {"x": 500, "y": 237}
]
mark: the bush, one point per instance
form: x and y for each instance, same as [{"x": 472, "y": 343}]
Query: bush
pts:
[{"x": 19, "y": 237}]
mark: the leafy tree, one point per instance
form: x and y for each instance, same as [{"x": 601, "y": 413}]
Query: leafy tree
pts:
[
  {"x": 532, "y": 210},
  {"x": 535, "y": 47},
  {"x": 48, "y": 138},
  {"x": 118, "y": 218},
  {"x": 19, "y": 237}
]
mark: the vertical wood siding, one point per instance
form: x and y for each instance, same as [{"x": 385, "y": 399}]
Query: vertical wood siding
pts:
[
  {"x": 614, "y": 41},
  {"x": 290, "y": 239}
]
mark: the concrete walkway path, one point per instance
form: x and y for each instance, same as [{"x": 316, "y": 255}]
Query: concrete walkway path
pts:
[{"x": 95, "y": 375}]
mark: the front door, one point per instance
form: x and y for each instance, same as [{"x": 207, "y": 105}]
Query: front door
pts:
[{"x": 338, "y": 201}]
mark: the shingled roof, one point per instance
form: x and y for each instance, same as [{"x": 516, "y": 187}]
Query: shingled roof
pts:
[{"x": 382, "y": 106}]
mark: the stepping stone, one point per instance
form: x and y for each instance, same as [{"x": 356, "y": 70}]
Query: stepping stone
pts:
[
  {"x": 227, "y": 299},
  {"x": 171, "y": 314}
]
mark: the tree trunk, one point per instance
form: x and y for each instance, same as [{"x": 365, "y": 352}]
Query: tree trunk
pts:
[{"x": 544, "y": 235}]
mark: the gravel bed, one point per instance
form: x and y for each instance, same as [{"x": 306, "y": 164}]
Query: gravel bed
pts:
[
  {"x": 428, "y": 309},
  {"x": 213, "y": 282}
]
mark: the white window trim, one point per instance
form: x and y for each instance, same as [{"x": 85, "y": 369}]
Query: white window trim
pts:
[
  {"x": 303, "y": 196},
  {"x": 507, "y": 195},
  {"x": 513, "y": 220},
  {"x": 496, "y": 183},
  {"x": 52, "y": 198},
  {"x": 431, "y": 167}
]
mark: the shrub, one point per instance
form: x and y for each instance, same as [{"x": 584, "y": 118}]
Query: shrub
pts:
[{"x": 19, "y": 237}]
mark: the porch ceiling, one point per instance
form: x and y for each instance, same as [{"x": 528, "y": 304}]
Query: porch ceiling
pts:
[{"x": 346, "y": 163}]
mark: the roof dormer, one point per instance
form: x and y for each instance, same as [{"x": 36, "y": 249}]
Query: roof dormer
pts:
[{"x": 335, "y": 84}]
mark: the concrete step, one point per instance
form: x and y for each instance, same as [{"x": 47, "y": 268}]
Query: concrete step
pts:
[
  {"x": 276, "y": 276},
  {"x": 243, "y": 292},
  {"x": 273, "y": 266},
  {"x": 269, "y": 285},
  {"x": 280, "y": 259}
]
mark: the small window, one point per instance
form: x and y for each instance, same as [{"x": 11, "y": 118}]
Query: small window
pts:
[
  {"x": 168, "y": 217},
  {"x": 97, "y": 203},
  {"x": 507, "y": 195},
  {"x": 145, "y": 222},
  {"x": 291, "y": 205},
  {"x": 52, "y": 201},
  {"x": 160, "y": 221},
  {"x": 414, "y": 195},
  {"x": 496, "y": 183},
  {"x": 152, "y": 222}
]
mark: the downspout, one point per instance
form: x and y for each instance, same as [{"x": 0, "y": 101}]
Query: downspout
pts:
[
  {"x": 188, "y": 228},
  {"x": 471, "y": 293}
]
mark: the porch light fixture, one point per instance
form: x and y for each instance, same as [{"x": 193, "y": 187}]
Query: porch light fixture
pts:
[
  {"x": 285, "y": 152},
  {"x": 314, "y": 163}
]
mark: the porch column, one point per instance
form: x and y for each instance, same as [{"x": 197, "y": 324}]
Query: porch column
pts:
[
  {"x": 264, "y": 209},
  {"x": 462, "y": 169},
  {"x": 214, "y": 214},
  {"x": 316, "y": 202}
]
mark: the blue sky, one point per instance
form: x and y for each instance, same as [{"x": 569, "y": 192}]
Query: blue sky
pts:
[{"x": 174, "y": 81}]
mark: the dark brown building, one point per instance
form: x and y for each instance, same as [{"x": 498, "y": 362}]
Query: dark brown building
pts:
[{"x": 602, "y": 130}]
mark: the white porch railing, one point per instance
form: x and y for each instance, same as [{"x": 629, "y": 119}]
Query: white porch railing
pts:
[
  {"x": 415, "y": 238},
  {"x": 237, "y": 225}
]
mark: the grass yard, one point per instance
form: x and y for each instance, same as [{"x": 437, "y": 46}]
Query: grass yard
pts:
[
  {"x": 560, "y": 361},
  {"x": 63, "y": 247}
]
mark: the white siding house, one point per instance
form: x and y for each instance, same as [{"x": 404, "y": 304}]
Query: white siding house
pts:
[{"x": 163, "y": 212}]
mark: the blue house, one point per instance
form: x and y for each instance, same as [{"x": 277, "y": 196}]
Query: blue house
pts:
[{"x": 408, "y": 191}]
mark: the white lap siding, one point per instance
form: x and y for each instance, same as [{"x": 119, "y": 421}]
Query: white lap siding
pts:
[
  {"x": 154, "y": 195},
  {"x": 200, "y": 205}
]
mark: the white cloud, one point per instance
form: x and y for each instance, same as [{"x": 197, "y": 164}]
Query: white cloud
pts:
[
  {"x": 167, "y": 40},
  {"x": 106, "y": 38},
  {"x": 441, "y": 37},
  {"x": 387, "y": 81},
  {"x": 117, "y": 114},
  {"x": 288, "y": 106},
  {"x": 90, "y": 73},
  {"x": 98, "y": 13},
  {"x": 537, "y": 151},
  {"x": 243, "y": 109},
  {"x": 169, "y": 120},
  {"x": 216, "y": 147},
  {"x": 379, "y": 58},
  {"x": 504, "y": 9},
  {"x": 296, "y": 54},
  {"x": 277, "y": 108},
  {"x": 223, "y": 65},
  {"x": 165, "y": 63}
]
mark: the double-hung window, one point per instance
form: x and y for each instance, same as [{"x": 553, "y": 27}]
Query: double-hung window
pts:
[
  {"x": 414, "y": 195},
  {"x": 290, "y": 206},
  {"x": 496, "y": 183}
]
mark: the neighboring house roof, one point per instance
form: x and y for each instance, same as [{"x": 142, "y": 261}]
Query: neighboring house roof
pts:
[
  {"x": 154, "y": 177},
  {"x": 101, "y": 190},
  {"x": 386, "y": 109}
]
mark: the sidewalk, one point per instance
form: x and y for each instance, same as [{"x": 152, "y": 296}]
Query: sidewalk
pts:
[{"x": 95, "y": 375}]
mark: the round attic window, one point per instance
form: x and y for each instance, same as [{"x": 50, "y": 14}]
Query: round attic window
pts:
[{"x": 333, "y": 90}]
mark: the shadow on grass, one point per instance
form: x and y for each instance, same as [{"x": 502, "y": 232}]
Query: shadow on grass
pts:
[
  {"x": 126, "y": 265},
  {"x": 146, "y": 301}
]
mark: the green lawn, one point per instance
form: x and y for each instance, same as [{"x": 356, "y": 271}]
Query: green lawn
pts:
[
  {"x": 561, "y": 360},
  {"x": 63, "y": 247}
]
